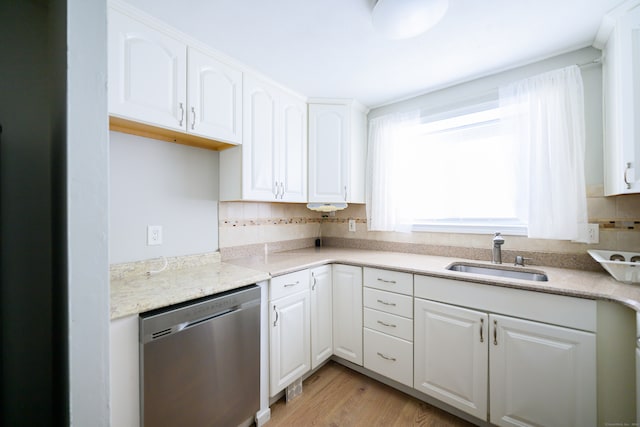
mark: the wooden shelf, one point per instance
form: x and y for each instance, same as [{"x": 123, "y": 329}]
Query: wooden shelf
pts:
[{"x": 140, "y": 129}]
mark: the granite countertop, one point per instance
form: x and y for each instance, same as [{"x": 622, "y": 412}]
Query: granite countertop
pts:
[
  {"x": 134, "y": 292},
  {"x": 577, "y": 283}
]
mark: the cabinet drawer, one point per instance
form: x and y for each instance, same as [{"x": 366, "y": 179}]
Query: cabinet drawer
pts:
[
  {"x": 393, "y": 281},
  {"x": 288, "y": 284},
  {"x": 389, "y": 356},
  {"x": 391, "y": 324},
  {"x": 389, "y": 302}
]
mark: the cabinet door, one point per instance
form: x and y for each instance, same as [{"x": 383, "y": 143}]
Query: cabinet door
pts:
[
  {"x": 290, "y": 352},
  {"x": 321, "y": 315},
  {"x": 621, "y": 91},
  {"x": 541, "y": 374},
  {"x": 450, "y": 358},
  {"x": 292, "y": 149},
  {"x": 328, "y": 152},
  {"x": 259, "y": 162},
  {"x": 215, "y": 98},
  {"x": 347, "y": 312},
  {"x": 147, "y": 74}
]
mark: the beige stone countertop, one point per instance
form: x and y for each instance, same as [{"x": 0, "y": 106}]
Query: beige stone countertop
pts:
[
  {"x": 577, "y": 283},
  {"x": 136, "y": 292}
]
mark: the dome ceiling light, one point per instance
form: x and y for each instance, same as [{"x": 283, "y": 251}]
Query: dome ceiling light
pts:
[{"x": 404, "y": 19}]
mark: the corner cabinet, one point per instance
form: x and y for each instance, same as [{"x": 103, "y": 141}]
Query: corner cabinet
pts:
[
  {"x": 157, "y": 80},
  {"x": 347, "y": 312},
  {"x": 337, "y": 151},
  {"x": 621, "y": 91},
  {"x": 538, "y": 368},
  {"x": 271, "y": 164}
]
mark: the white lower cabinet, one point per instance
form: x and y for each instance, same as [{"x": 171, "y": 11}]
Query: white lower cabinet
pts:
[
  {"x": 536, "y": 374},
  {"x": 388, "y": 324},
  {"x": 289, "y": 326},
  {"x": 451, "y": 355},
  {"x": 347, "y": 312},
  {"x": 541, "y": 375},
  {"x": 321, "y": 315}
]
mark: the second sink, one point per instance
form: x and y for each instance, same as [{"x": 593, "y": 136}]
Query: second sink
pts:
[{"x": 519, "y": 273}]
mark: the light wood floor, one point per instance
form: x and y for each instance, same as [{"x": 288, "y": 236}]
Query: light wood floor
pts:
[{"x": 339, "y": 397}]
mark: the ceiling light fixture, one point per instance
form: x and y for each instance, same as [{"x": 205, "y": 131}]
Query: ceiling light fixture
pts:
[{"x": 403, "y": 19}]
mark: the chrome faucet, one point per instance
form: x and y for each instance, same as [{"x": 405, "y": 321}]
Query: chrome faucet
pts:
[{"x": 498, "y": 241}]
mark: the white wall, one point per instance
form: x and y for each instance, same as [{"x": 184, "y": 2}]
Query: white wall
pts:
[
  {"x": 87, "y": 212},
  {"x": 161, "y": 183}
]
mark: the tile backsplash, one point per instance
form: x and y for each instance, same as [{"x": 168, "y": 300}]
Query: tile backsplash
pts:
[{"x": 245, "y": 228}]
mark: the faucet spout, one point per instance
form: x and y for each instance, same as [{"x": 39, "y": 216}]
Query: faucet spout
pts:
[{"x": 498, "y": 241}]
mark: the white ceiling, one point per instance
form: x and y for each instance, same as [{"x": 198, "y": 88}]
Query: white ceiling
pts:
[{"x": 328, "y": 48}]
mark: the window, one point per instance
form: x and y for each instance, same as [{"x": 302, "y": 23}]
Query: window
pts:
[{"x": 459, "y": 173}]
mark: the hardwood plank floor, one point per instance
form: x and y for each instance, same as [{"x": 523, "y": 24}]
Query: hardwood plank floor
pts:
[{"x": 339, "y": 397}]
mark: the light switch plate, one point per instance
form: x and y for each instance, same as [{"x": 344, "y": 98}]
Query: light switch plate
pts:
[{"x": 154, "y": 235}]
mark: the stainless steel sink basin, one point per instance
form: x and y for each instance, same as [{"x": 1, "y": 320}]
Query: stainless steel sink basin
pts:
[{"x": 512, "y": 273}]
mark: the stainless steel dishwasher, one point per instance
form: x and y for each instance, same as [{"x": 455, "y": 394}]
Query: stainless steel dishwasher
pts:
[{"x": 200, "y": 361}]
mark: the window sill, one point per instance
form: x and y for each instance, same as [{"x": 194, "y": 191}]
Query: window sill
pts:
[{"x": 505, "y": 229}]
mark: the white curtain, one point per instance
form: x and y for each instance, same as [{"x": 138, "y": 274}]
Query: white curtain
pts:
[
  {"x": 545, "y": 113},
  {"x": 384, "y": 171}
]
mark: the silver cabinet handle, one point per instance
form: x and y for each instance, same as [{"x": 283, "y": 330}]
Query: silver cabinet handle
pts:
[
  {"x": 181, "y": 113},
  {"x": 313, "y": 287},
  {"x": 386, "y": 324},
  {"x": 495, "y": 332},
  {"x": 275, "y": 322},
  {"x": 393, "y": 282},
  {"x": 626, "y": 169},
  {"x": 193, "y": 123},
  {"x": 393, "y": 359},
  {"x": 481, "y": 330},
  {"x": 281, "y": 190},
  {"x": 345, "y": 193},
  {"x": 288, "y": 285},
  {"x": 277, "y": 189},
  {"x": 393, "y": 304}
]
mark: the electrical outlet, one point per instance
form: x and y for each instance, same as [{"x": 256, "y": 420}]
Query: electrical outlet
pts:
[
  {"x": 352, "y": 225},
  {"x": 593, "y": 233},
  {"x": 154, "y": 235}
]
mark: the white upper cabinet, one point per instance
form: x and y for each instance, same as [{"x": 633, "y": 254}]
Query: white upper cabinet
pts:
[
  {"x": 215, "y": 98},
  {"x": 621, "y": 89},
  {"x": 147, "y": 73},
  {"x": 271, "y": 165},
  {"x": 337, "y": 151},
  {"x": 157, "y": 79}
]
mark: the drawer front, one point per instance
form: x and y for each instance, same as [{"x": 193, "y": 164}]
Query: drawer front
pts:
[
  {"x": 386, "y": 280},
  {"x": 391, "y": 324},
  {"x": 389, "y": 302},
  {"x": 288, "y": 284},
  {"x": 389, "y": 356}
]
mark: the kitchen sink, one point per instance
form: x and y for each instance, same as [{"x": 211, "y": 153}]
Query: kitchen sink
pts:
[{"x": 511, "y": 273}]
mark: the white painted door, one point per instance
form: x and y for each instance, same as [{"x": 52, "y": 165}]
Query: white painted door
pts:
[
  {"x": 259, "y": 161},
  {"x": 290, "y": 349},
  {"x": 451, "y": 355},
  {"x": 347, "y": 312},
  {"x": 621, "y": 91},
  {"x": 147, "y": 73},
  {"x": 328, "y": 152},
  {"x": 292, "y": 150},
  {"x": 321, "y": 315},
  {"x": 215, "y": 98},
  {"x": 541, "y": 375}
]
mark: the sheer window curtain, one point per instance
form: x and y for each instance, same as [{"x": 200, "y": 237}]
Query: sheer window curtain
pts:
[
  {"x": 385, "y": 199},
  {"x": 545, "y": 114}
]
